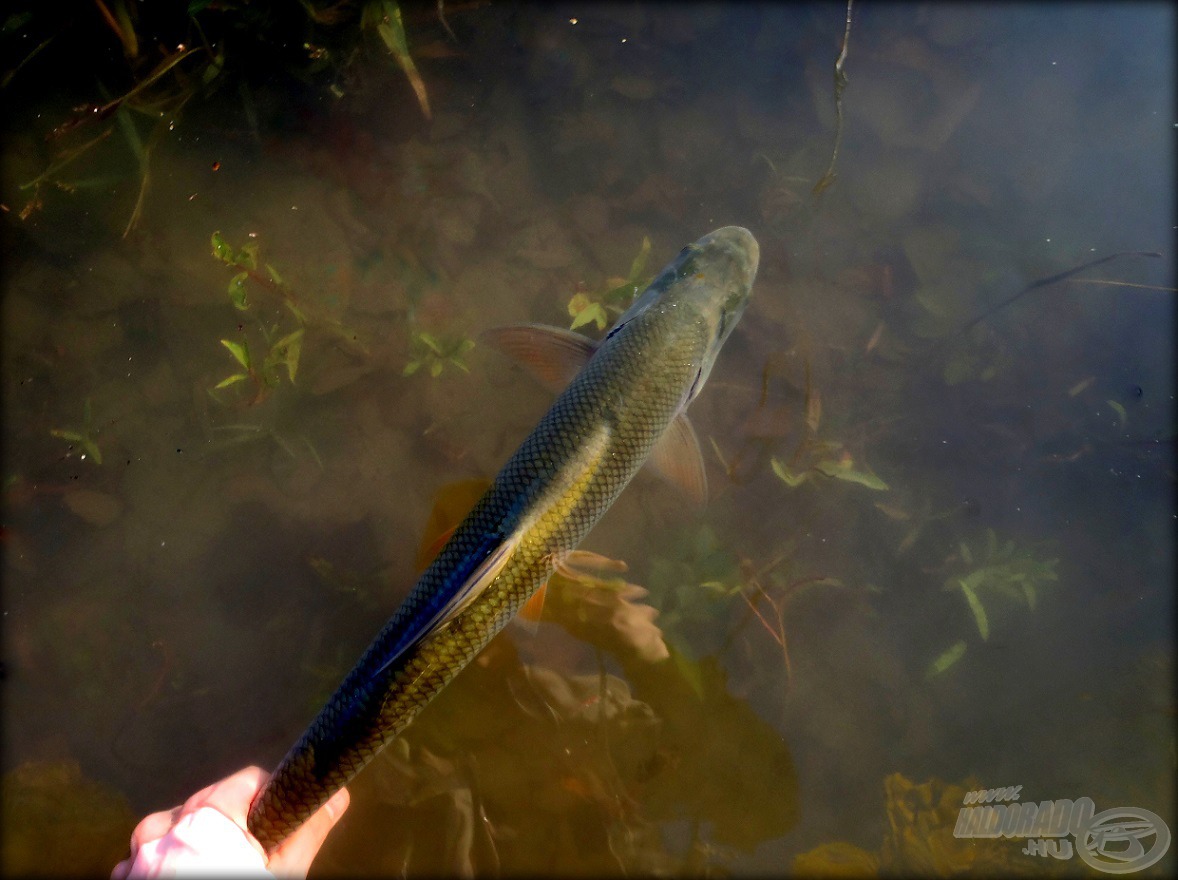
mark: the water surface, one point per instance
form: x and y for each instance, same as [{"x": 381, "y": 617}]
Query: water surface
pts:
[{"x": 943, "y": 555}]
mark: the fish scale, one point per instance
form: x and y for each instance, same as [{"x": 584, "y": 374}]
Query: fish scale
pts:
[{"x": 564, "y": 476}]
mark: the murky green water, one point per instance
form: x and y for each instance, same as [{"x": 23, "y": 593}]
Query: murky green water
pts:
[{"x": 942, "y": 555}]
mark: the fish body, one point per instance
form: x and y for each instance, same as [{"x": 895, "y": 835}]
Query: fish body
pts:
[{"x": 634, "y": 386}]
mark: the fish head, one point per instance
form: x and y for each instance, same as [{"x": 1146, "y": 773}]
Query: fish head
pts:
[
  {"x": 710, "y": 282},
  {"x": 716, "y": 276}
]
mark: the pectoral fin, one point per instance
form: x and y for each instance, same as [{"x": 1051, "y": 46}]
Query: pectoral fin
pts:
[
  {"x": 478, "y": 581},
  {"x": 677, "y": 459},
  {"x": 553, "y": 355},
  {"x": 528, "y": 617}
]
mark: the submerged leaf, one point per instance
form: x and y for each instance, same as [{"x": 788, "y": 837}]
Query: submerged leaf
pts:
[
  {"x": 287, "y": 350},
  {"x": 949, "y": 657},
  {"x": 638, "y": 266},
  {"x": 1029, "y": 592},
  {"x": 221, "y": 249},
  {"x": 979, "y": 612},
  {"x": 237, "y": 291},
  {"x": 92, "y": 448},
  {"x": 814, "y": 411},
  {"x": 592, "y": 312},
  {"x": 231, "y": 380},
  {"x": 843, "y": 469},
  {"x": 785, "y": 475},
  {"x": 248, "y": 255},
  {"x": 836, "y": 859},
  {"x": 240, "y": 351},
  {"x": 1120, "y": 411},
  {"x": 966, "y": 555},
  {"x": 392, "y": 32}
]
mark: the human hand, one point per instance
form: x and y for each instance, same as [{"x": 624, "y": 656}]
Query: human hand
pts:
[{"x": 208, "y": 834}]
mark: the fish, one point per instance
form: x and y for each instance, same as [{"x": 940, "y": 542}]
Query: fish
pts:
[{"x": 625, "y": 403}]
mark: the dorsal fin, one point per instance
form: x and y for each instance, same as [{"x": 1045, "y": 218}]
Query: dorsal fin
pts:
[{"x": 552, "y": 354}]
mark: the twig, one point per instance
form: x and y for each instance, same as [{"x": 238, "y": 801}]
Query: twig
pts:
[
  {"x": 442, "y": 19},
  {"x": 66, "y": 158},
  {"x": 840, "y": 83},
  {"x": 1034, "y": 285}
]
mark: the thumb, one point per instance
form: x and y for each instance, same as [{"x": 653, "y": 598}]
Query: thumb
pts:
[{"x": 294, "y": 855}]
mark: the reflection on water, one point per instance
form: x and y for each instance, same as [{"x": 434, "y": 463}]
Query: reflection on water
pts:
[{"x": 928, "y": 556}]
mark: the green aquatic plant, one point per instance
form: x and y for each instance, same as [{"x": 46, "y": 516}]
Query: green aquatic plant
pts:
[
  {"x": 385, "y": 17},
  {"x": 814, "y": 456},
  {"x": 159, "y": 96},
  {"x": 601, "y": 306},
  {"x": 1002, "y": 571},
  {"x": 59, "y": 822},
  {"x": 223, "y": 437},
  {"x": 828, "y": 458},
  {"x": 693, "y": 580},
  {"x": 282, "y": 349},
  {"x": 702, "y": 582},
  {"x": 281, "y": 352},
  {"x": 258, "y": 277},
  {"x": 946, "y": 659},
  {"x": 994, "y": 574},
  {"x": 282, "y": 341},
  {"x": 169, "y": 59},
  {"x": 919, "y": 840},
  {"x": 435, "y": 352},
  {"x": 81, "y": 437},
  {"x": 245, "y": 260}
]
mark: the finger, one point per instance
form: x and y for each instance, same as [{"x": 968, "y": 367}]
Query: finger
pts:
[
  {"x": 294, "y": 856},
  {"x": 232, "y": 795},
  {"x": 123, "y": 868},
  {"x": 153, "y": 827},
  {"x": 150, "y": 828}
]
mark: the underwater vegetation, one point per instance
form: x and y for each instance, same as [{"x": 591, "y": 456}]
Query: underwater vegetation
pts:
[
  {"x": 283, "y": 346},
  {"x": 919, "y": 841},
  {"x": 59, "y": 823},
  {"x": 601, "y": 307},
  {"x": 175, "y": 53},
  {"x": 814, "y": 456},
  {"x": 993, "y": 575},
  {"x": 82, "y": 436},
  {"x": 443, "y": 219},
  {"x": 435, "y": 352}
]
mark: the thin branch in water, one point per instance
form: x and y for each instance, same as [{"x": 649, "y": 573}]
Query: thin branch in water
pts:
[
  {"x": 1043, "y": 282},
  {"x": 101, "y": 112},
  {"x": 10, "y": 74},
  {"x": 777, "y": 633},
  {"x": 442, "y": 19},
  {"x": 840, "y": 83},
  {"x": 145, "y": 171},
  {"x": 67, "y": 157},
  {"x": 1126, "y": 284}
]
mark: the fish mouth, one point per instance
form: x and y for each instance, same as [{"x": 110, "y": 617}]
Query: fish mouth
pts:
[
  {"x": 739, "y": 244},
  {"x": 735, "y": 255}
]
